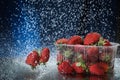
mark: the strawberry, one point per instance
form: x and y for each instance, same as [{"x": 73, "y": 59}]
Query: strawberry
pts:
[
  {"x": 103, "y": 42},
  {"x": 32, "y": 59},
  {"x": 93, "y": 54},
  {"x": 92, "y": 51},
  {"x": 78, "y": 67},
  {"x": 107, "y": 43},
  {"x": 60, "y": 58},
  {"x": 79, "y": 48},
  {"x": 91, "y": 38},
  {"x": 75, "y": 40},
  {"x": 104, "y": 65},
  {"x": 62, "y": 41},
  {"x": 44, "y": 56},
  {"x": 106, "y": 57},
  {"x": 106, "y": 54},
  {"x": 65, "y": 68},
  {"x": 96, "y": 69}
]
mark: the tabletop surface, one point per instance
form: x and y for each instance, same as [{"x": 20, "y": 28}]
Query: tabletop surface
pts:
[{"x": 16, "y": 69}]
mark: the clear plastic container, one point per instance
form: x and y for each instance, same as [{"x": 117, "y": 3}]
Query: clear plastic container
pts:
[{"x": 88, "y": 57}]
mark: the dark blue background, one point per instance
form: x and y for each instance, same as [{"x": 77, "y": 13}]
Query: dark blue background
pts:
[{"x": 29, "y": 24}]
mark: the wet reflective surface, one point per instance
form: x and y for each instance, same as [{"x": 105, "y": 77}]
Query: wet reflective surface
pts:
[{"x": 16, "y": 69}]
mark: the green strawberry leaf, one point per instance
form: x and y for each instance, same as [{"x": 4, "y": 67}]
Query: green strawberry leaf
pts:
[
  {"x": 60, "y": 47},
  {"x": 78, "y": 64},
  {"x": 80, "y": 58},
  {"x": 82, "y": 64},
  {"x": 67, "y": 53},
  {"x": 41, "y": 63},
  {"x": 101, "y": 42},
  {"x": 106, "y": 58}
]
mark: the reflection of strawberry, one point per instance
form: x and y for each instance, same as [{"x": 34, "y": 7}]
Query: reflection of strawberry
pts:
[
  {"x": 60, "y": 58},
  {"x": 98, "y": 68},
  {"x": 92, "y": 38},
  {"x": 62, "y": 41},
  {"x": 96, "y": 78},
  {"x": 80, "y": 77},
  {"x": 93, "y": 54},
  {"x": 75, "y": 40},
  {"x": 65, "y": 68},
  {"x": 78, "y": 67},
  {"x": 32, "y": 59},
  {"x": 44, "y": 56}
]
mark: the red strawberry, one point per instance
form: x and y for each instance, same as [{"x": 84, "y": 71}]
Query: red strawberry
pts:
[
  {"x": 106, "y": 57},
  {"x": 106, "y": 54},
  {"x": 78, "y": 67},
  {"x": 62, "y": 41},
  {"x": 93, "y": 54},
  {"x": 45, "y": 54},
  {"x": 92, "y": 51},
  {"x": 65, "y": 68},
  {"x": 91, "y": 38},
  {"x": 79, "y": 49},
  {"x": 96, "y": 69},
  {"x": 109, "y": 50},
  {"x": 75, "y": 40},
  {"x": 32, "y": 59},
  {"x": 106, "y": 43},
  {"x": 104, "y": 65},
  {"x": 60, "y": 58}
]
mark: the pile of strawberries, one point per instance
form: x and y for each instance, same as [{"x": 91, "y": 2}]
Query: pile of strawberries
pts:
[
  {"x": 35, "y": 57},
  {"x": 89, "y": 55}
]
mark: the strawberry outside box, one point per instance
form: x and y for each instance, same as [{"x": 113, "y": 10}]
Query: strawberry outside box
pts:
[{"x": 83, "y": 59}]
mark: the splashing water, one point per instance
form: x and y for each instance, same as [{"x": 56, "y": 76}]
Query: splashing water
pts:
[
  {"x": 32, "y": 24},
  {"x": 42, "y": 22},
  {"x": 38, "y": 23}
]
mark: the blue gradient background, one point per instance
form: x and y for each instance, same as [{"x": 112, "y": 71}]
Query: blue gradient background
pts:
[{"x": 29, "y": 24}]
